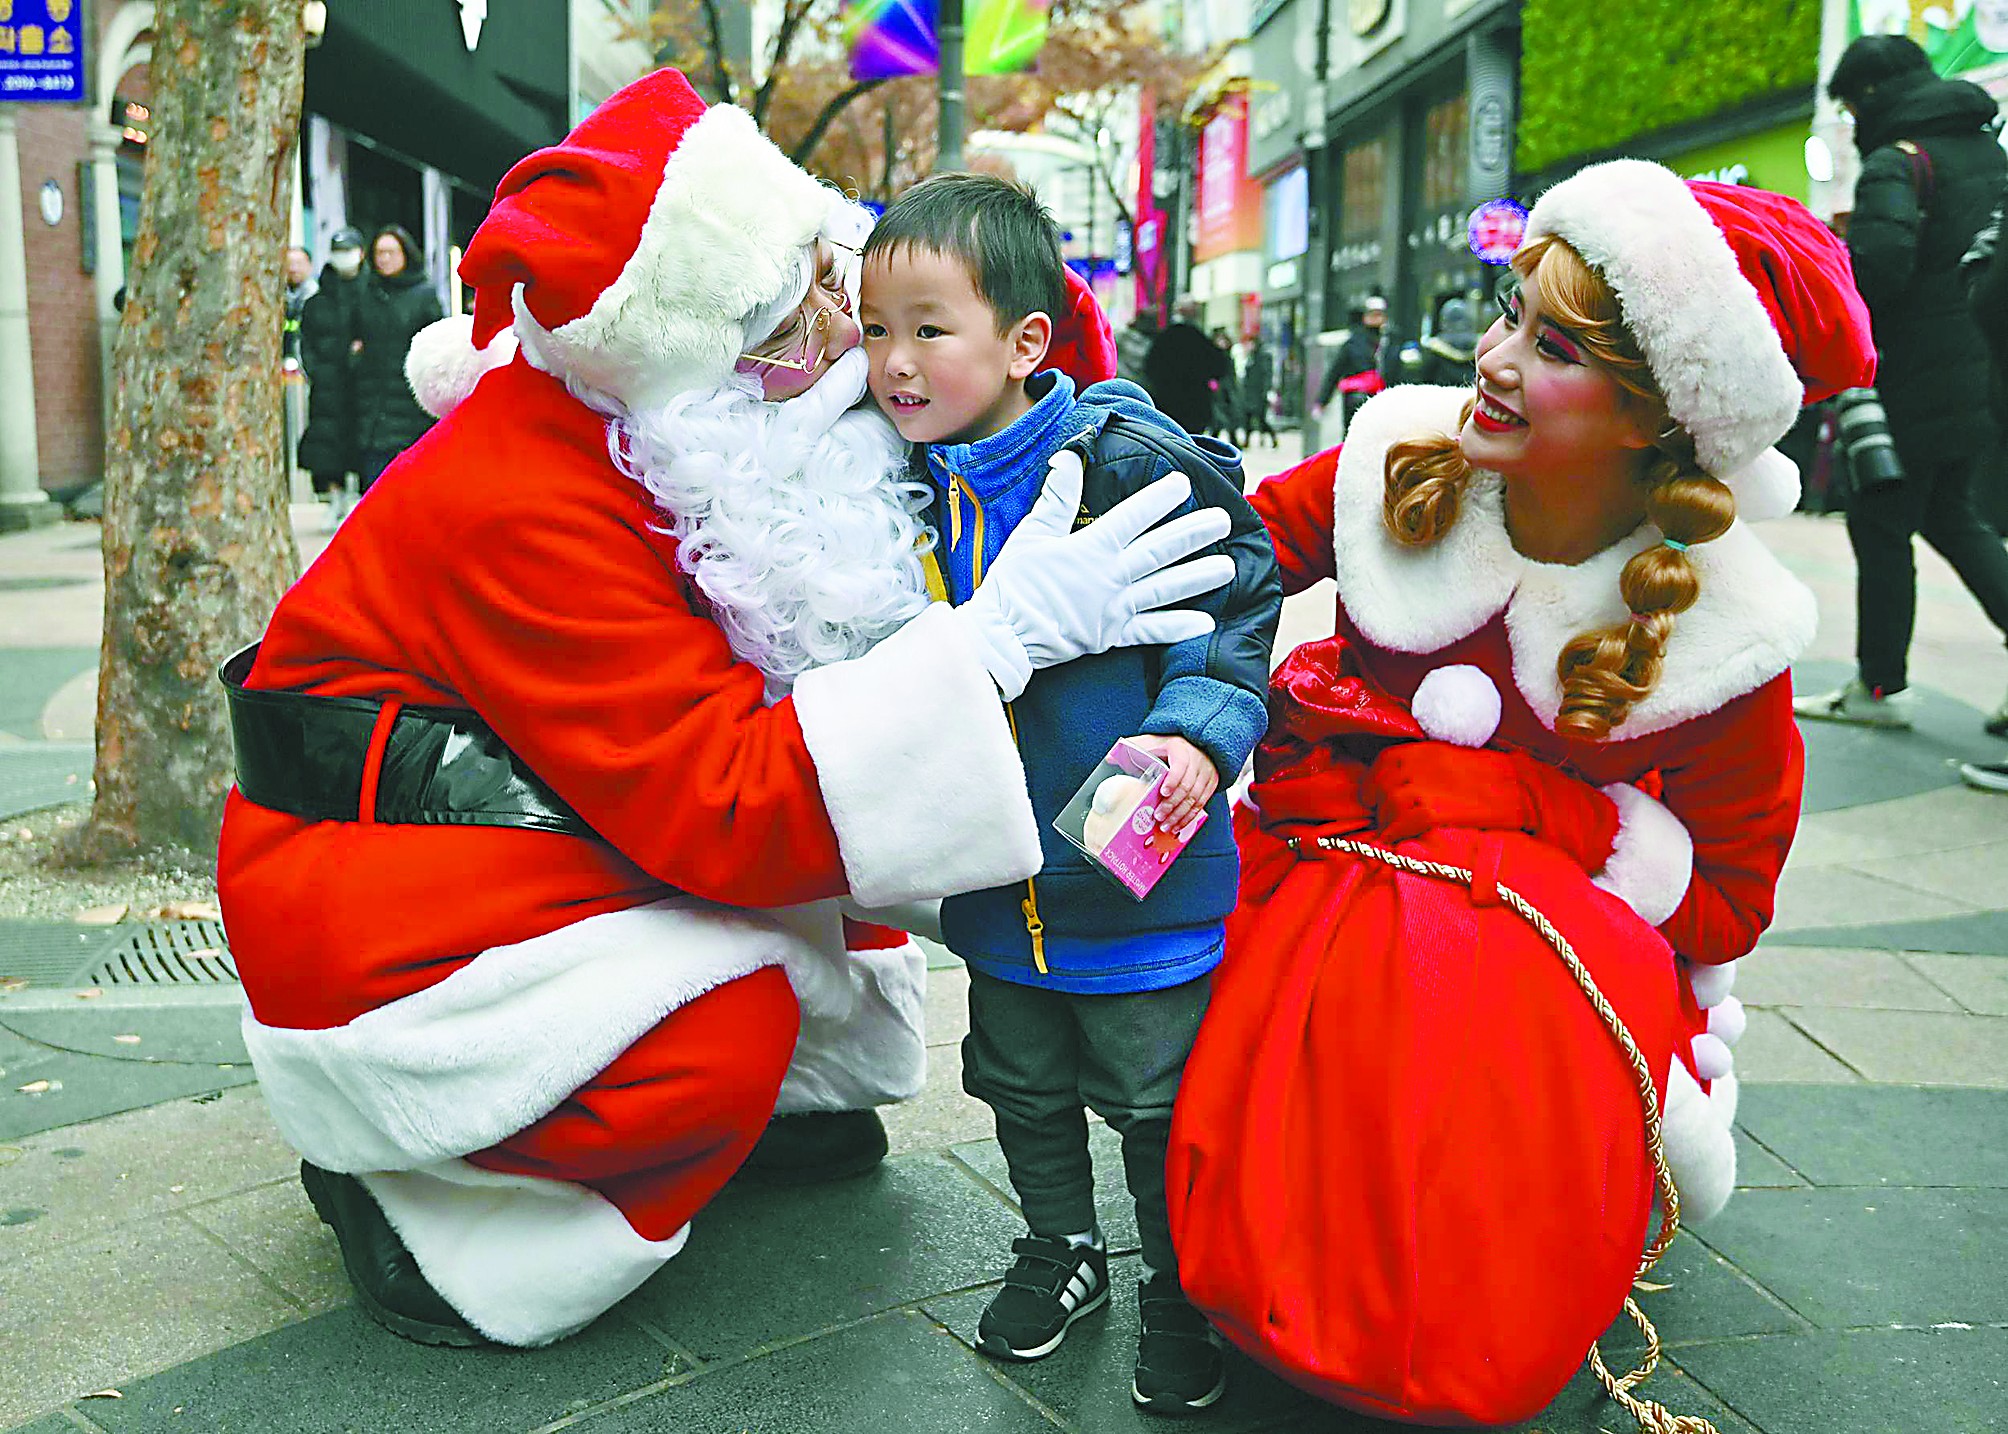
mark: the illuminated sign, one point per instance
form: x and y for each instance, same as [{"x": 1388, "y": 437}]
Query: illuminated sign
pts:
[
  {"x": 1496, "y": 228},
  {"x": 41, "y": 51}
]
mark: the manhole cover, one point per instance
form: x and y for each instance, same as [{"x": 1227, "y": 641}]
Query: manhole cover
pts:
[{"x": 177, "y": 953}]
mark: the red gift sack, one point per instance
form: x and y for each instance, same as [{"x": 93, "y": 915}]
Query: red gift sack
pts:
[{"x": 1409, "y": 1169}]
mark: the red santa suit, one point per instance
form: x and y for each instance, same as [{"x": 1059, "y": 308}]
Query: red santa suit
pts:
[
  {"x": 1408, "y": 1168},
  {"x": 543, "y": 1053}
]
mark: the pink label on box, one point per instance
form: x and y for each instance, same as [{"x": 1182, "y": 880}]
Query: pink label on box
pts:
[{"x": 1127, "y": 841}]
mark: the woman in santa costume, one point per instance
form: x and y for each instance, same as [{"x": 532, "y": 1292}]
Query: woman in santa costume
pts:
[
  {"x": 1411, "y": 1165},
  {"x": 552, "y": 770}
]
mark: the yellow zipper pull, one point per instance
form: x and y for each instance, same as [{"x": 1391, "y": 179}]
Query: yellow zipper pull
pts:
[
  {"x": 1035, "y": 928},
  {"x": 954, "y": 512}
]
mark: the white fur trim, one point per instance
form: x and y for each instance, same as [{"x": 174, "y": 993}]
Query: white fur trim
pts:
[
  {"x": 916, "y": 918},
  {"x": 1727, "y": 1020},
  {"x": 442, "y": 366},
  {"x": 1457, "y": 704},
  {"x": 724, "y": 237},
  {"x": 1712, "y": 1057},
  {"x": 1652, "y": 862},
  {"x": 1766, "y": 487},
  {"x": 525, "y": 1261},
  {"x": 1711, "y": 983},
  {"x": 1702, "y": 327},
  {"x": 1700, "y": 1150},
  {"x": 1750, "y": 621},
  {"x": 872, "y": 1054},
  {"x": 918, "y": 770},
  {"x": 496, "y": 1046}
]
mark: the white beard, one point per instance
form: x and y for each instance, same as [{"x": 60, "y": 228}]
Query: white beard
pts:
[{"x": 807, "y": 550}]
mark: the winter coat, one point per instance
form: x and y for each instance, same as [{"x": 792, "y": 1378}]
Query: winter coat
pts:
[
  {"x": 1180, "y": 370},
  {"x": 388, "y": 314},
  {"x": 1209, "y": 690},
  {"x": 327, "y": 324},
  {"x": 1448, "y": 360},
  {"x": 1913, "y": 219}
]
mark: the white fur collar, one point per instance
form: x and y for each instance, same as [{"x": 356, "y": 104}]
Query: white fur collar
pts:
[{"x": 1749, "y": 623}]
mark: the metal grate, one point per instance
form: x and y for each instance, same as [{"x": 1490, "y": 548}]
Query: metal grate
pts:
[{"x": 179, "y": 953}]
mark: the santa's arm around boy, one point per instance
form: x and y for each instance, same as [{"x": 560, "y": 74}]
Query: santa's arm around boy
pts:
[{"x": 553, "y": 768}]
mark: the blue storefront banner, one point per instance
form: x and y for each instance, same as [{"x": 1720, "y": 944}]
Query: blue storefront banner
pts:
[{"x": 41, "y": 51}]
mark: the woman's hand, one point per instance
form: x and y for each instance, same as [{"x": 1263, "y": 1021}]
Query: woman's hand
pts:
[
  {"x": 1416, "y": 787},
  {"x": 1188, "y": 786}
]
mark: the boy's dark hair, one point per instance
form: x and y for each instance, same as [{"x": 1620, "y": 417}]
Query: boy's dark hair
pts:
[{"x": 998, "y": 230}]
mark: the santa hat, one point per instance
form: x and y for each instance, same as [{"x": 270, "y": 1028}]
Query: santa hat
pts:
[
  {"x": 1743, "y": 304},
  {"x": 1084, "y": 344},
  {"x": 634, "y": 256}
]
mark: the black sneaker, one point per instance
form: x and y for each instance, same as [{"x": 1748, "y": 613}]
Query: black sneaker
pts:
[
  {"x": 387, "y": 1280},
  {"x": 1050, "y": 1285},
  {"x": 1179, "y": 1364}
]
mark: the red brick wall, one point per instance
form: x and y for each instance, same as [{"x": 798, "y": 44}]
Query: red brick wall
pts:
[{"x": 62, "y": 304}]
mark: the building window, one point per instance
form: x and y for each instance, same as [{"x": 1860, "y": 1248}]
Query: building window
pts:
[{"x": 1443, "y": 149}]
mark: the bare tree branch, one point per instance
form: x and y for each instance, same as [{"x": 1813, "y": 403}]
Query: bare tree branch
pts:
[
  {"x": 721, "y": 70},
  {"x": 830, "y": 111},
  {"x": 792, "y": 16}
]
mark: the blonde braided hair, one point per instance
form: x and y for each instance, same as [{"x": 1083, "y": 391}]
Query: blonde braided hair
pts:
[{"x": 1604, "y": 673}]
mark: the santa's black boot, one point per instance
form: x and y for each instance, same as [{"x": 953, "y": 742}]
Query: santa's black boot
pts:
[
  {"x": 387, "y": 1280},
  {"x": 816, "y": 1145}
]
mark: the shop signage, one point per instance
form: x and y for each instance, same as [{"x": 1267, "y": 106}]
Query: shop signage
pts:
[
  {"x": 41, "y": 51},
  {"x": 1366, "y": 15},
  {"x": 1228, "y": 215},
  {"x": 1496, "y": 228},
  {"x": 472, "y": 14},
  {"x": 1282, "y": 275},
  {"x": 1125, "y": 245}
]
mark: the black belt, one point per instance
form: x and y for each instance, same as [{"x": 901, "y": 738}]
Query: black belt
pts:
[{"x": 442, "y": 766}]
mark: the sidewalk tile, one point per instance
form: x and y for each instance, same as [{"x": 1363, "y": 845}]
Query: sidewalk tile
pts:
[
  {"x": 1709, "y": 1298},
  {"x": 1087, "y": 1380},
  {"x": 140, "y": 1166},
  {"x": 1756, "y": 1167},
  {"x": 1954, "y": 816},
  {"x": 1850, "y": 1257},
  {"x": 1115, "y": 1211},
  {"x": 1979, "y": 983},
  {"x": 339, "y": 1372},
  {"x": 1914, "y": 1047},
  {"x": 899, "y": 1373},
  {"x": 1979, "y": 932},
  {"x": 1773, "y": 1049},
  {"x": 1972, "y": 875},
  {"x": 91, "y": 1087},
  {"x": 947, "y": 1006},
  {"x": 104, "y": 1311},
  {"x": 1583, "y": 1408},
  {"x": 942, "y": 1114},
  {"x": 766, "y": 1264},
  {"x": 1883, "y": 1135},
  {"x": 210, "y": 1034},
  {"x": 274, "y": 1229},
  {"x": 1825, "y": 976},
  {"x": 1863, "y": 1381},
  {"x": 1846, "y": 896}
]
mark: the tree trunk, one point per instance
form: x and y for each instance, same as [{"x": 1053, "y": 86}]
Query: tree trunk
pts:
[{"x": 198, "y": 545}]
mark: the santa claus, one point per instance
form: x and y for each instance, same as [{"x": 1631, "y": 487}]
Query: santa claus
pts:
[{"x": 560, "y": 770}]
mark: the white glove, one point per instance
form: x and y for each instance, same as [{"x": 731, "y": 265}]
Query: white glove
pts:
[
  {"x": 1054, "y": 595},
  {"x": 814, "y": 411}
]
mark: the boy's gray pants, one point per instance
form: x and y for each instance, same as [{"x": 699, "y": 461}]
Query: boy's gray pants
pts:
[{"x": 1039, "y": 1059}]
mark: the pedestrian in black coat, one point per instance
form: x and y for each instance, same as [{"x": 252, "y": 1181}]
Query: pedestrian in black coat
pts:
[
  {"x": 1450, "y": 355},
  {"x": 327, "y": 329},
  {"x": 1932, "y": 169},
  {"x": 1180, "y": 370},
  {"x": 397, "y": 302}
]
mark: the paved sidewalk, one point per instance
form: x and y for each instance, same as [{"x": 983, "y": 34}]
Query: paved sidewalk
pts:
[{"x": 154, "y": 1240}]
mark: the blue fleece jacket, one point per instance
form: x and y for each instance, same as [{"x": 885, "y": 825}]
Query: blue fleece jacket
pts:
[{"x": 1093, "y": 937}]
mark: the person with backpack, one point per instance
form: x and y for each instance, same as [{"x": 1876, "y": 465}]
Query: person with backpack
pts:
[
  {"x": 1080, "y": 995},
  {"x": 1932, "y": 169},
  {"x": 1548, "y": 749}
]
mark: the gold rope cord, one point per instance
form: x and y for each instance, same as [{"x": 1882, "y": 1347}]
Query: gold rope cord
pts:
[{"x": 1652, "y": 1418}]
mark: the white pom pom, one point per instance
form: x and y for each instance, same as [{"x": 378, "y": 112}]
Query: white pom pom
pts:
[
  {"x": 1712, "y": 1060},
  {"x": 1765, "y": 487},
  {"x": 1727, "y": 1021},
  {"x": 1457, "y": 704},
  {"x": 1711, "y": 983},
  {"x": 443, "y": 365}
]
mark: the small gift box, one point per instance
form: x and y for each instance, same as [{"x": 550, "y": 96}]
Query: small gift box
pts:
[{"x": 1113, "y": 819}]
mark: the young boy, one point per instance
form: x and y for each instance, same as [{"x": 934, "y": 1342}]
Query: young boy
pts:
[{"x": 1079, "y": 996}]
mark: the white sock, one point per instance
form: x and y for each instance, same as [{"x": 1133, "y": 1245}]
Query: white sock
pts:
[{"x": 1091, "y": 1238}]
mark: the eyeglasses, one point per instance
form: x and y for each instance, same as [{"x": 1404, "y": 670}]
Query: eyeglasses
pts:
[{"x": 830, "y": 292}]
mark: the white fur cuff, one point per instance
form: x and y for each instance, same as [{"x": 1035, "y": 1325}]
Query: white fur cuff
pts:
[
  {"x": 917, "y": 767},
  {"x": 1652, "y": 863}
]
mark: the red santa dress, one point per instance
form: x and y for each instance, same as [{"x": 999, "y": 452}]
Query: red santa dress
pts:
[{"x": 1276, "y": 1173}]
